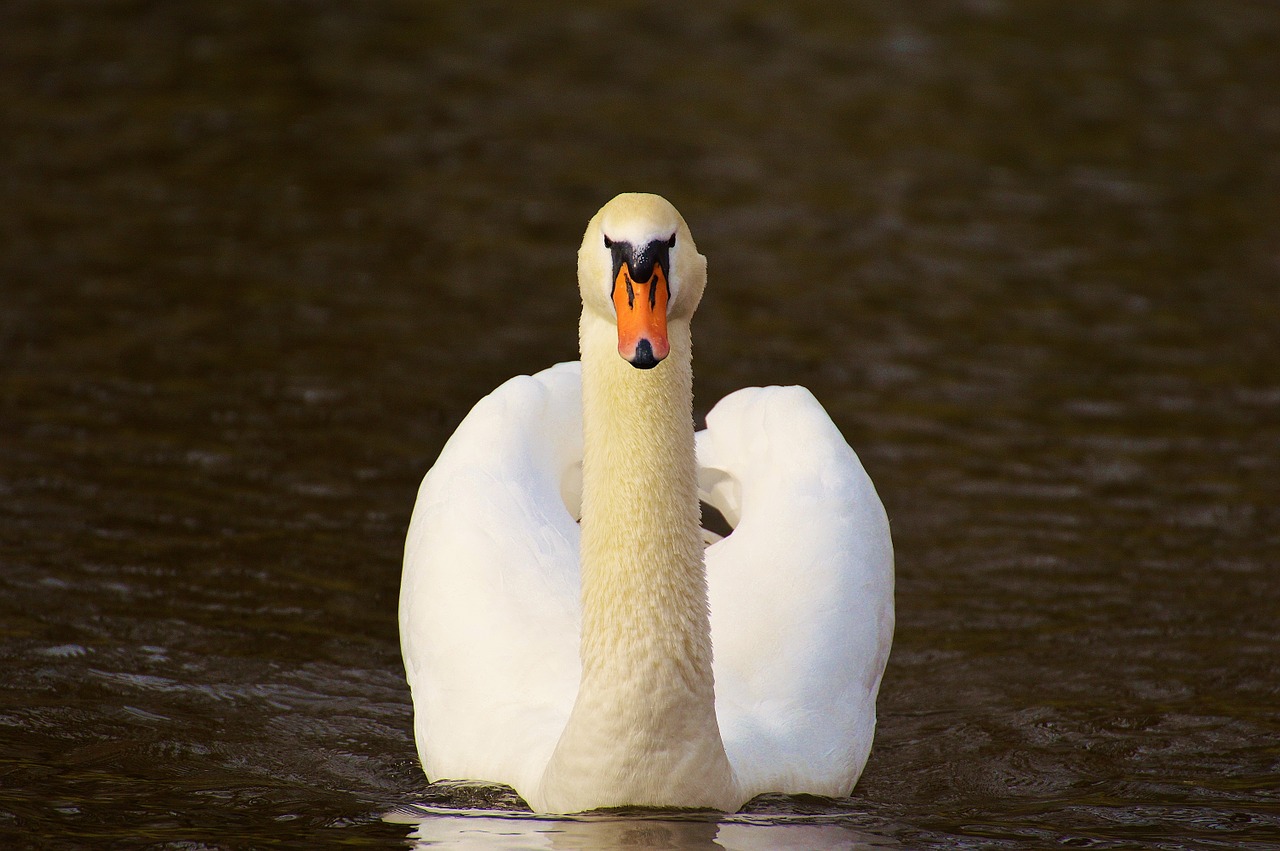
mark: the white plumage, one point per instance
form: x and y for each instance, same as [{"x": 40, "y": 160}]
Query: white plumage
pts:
[{"x": 491, "y": 608}]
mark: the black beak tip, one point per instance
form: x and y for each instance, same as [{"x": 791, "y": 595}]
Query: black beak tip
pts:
[{"x": 644, "y": 358}]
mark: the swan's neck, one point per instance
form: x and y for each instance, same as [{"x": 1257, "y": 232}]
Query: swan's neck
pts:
[
  {"x": 643, "y": 730},
  {"x": 643, "y": 581}
]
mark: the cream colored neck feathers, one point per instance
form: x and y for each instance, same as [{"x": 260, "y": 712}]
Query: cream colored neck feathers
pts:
[{"x": 643, "y": 729}]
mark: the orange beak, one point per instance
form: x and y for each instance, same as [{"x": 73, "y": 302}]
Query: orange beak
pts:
[{"x": 642, "y": 316}]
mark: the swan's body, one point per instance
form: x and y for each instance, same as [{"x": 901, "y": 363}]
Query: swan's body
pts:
[{"x": 574, "y": 661}]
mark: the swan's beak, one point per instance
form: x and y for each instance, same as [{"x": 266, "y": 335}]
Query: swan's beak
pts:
[{"x": 640, "y": 294}]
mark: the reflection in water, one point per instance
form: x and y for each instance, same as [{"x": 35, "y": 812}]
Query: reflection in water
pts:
[{"x": 481, "y": 830}]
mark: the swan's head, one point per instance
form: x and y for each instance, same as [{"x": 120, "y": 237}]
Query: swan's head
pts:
[{"x": 638, "y": 267}]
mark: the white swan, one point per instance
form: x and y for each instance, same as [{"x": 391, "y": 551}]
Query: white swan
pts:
[{"x": 574, "y": 661}]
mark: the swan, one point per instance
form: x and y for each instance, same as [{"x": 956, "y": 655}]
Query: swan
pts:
[{"x": 567, "y": 626}]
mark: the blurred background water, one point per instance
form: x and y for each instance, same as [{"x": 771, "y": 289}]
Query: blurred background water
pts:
[{"x": 258, "y": 260}]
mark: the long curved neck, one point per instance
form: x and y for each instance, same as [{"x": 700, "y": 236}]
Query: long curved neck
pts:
[
  {"x": 643, "y": 730},
  {"x": 643, "y": 580}
]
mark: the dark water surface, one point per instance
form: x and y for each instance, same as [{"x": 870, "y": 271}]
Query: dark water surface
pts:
[{"x": 258, "y": 260}]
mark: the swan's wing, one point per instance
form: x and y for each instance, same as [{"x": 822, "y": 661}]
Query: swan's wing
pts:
[
  {"x": 801, "y": 592},
  {"x": 489, "y": 599}
]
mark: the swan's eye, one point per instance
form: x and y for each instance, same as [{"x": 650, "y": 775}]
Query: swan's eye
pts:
[
  {"x": 608, "y": 243},
  {"x": 671, "y": 243}
]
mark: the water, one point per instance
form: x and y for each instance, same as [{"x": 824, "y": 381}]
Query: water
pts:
[{"x": 257, "y": 262}]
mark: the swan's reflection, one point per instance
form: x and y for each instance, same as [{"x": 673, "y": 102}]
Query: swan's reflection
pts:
[{"x": 482, "y": 830}]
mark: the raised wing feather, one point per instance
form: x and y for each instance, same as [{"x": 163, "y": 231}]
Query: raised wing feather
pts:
[
  {"x": 801, "y": 592},
  {"x": 489, "y": 608}
]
